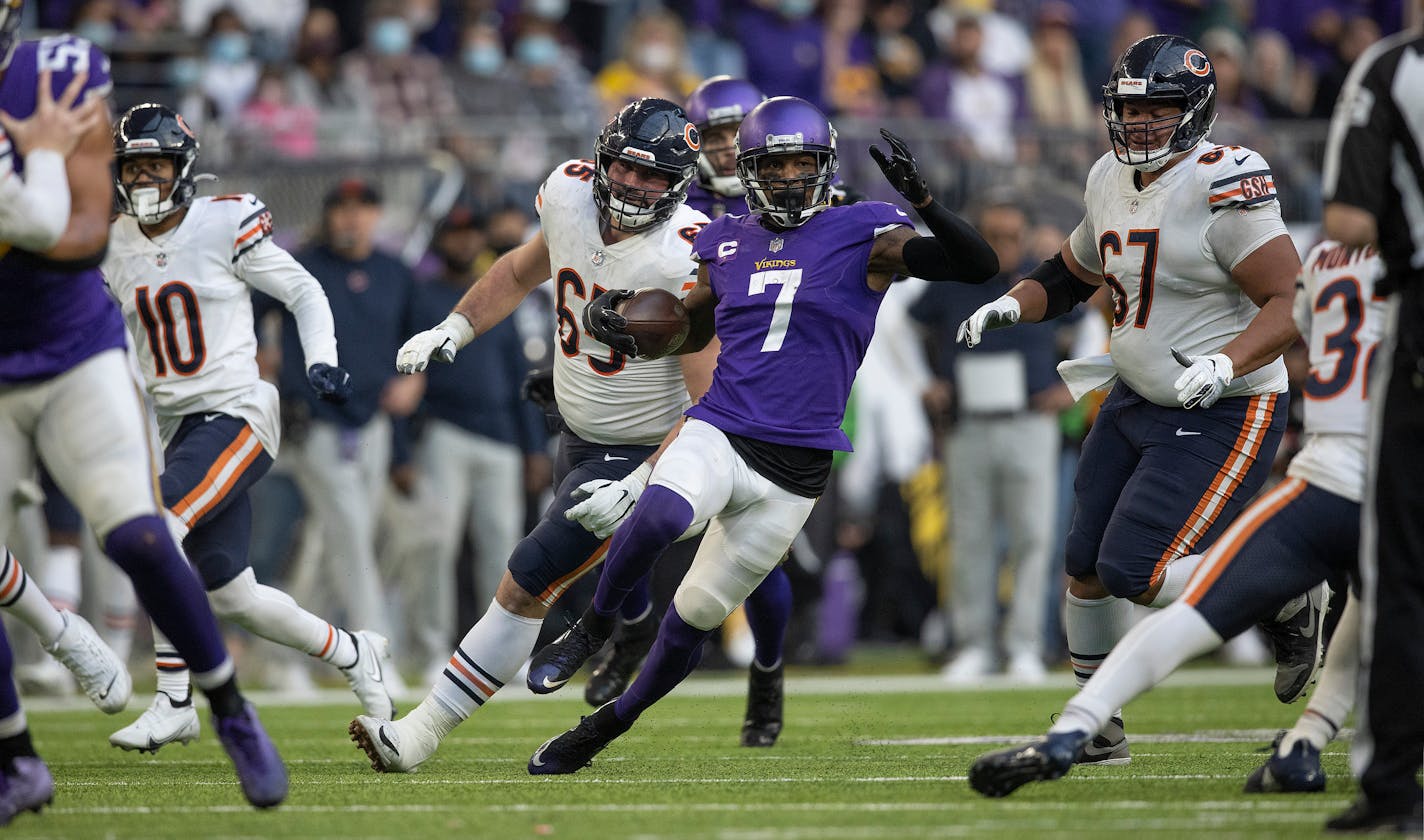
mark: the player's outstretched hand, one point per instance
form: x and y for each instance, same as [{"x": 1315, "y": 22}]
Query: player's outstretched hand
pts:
[
  {"x": 601, "y": 321},
  {"x": 332, "y": 384},
  {"x": 440, "y": 343},
  {"x": 56, "y": 124},
  {"x": 1003, "y": 312},
  {"x": 1203, "y": 380},
  {"x": 603, "y": 503},
  {"x": 901, "y": 171},
  {"x": 538, "y": 388}
]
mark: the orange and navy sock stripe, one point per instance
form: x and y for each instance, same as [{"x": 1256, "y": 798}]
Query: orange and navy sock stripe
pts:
[
  {"x": 221, "y": 477},
  {"x": 470, "y": 678},
  {"x": 1085, "y": 665},
  {"x": 1228, "y": 478},
  {"x": 13, "y": 580},
  {"x": 169, "y": 664},
  {"x": 328, "y": 647}
]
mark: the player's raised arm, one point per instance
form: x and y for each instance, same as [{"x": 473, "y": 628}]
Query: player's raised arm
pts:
[
  {"x": 486, "y": 303},
  {"x": 91, "y": 188},
  {"x": 35, "y": 208},
  {"x": 956, "y": 252}
]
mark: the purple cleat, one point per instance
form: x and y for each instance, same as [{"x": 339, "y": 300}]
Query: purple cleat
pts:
[
  {"x": 26, "y": 786},
  {"x": 259, "y": 769}
]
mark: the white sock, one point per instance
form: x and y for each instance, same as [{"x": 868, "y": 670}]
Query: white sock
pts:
[
  {"x": 61, "y": 576},
  {"x": 1174, "y": 579},
  {"x": 1093, "y": 626},
  {"x": 1334, "y": 694},
  {"x": 273, "y": 614},
  {"x": 23, "y": 599},
  {"x": 433, "y": 716},
  {"x": 172, "y": 670},
  {"x": 1144, "y": 657},
  {"x": 489, "y": 656},
  {"x": 120, "y": 611},
  {"x": 13, "y": 725}
]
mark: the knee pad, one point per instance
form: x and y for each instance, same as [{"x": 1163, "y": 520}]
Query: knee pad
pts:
[
  {"x": 234, "y": 600},
  {"x": 700, "y": 608},
  {"x": 1121, "y": 581}
]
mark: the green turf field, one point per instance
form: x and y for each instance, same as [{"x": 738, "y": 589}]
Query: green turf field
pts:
[{"x": 861, "y": 757}]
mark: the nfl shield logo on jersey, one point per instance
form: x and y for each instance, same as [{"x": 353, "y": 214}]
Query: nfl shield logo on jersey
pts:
[{"x": 775, "y": 244}]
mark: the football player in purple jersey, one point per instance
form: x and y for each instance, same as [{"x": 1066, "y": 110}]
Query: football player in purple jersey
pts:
[
  {"x": 68, "y": 397},
  {"x": 791, "y": 290}
]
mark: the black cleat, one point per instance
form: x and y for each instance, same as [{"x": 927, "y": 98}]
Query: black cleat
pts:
[
  {"x": 1363, "y": 818},
  {"x": 1001, "y": 773},
  {"x": 765, "y": 690},
  {"x": 1108, "y": 747},
  {"x": 575, "y": 749},
  {"x": 631, "y": 643},
  {"x": 1298, "y": 771},
  {"x": 562, "y": 658},
  {"x": 1298, "y": 642}
]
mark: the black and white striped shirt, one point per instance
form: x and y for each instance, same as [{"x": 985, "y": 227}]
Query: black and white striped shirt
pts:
[{"x": 1373, "y": 152}]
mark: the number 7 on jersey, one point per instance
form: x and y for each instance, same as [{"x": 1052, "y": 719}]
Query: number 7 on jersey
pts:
[{"x": 789, "y": 279}]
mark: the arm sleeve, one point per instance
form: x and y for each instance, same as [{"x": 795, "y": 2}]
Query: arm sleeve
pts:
[
  {"x": 34, "y": 208},
  {"x": 271, "y": 270},
  {"x": 1085, "y": 247},
  {"x": 1233, "y": 236}
]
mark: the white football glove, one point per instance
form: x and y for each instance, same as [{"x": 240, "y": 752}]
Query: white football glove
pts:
[
  {"x": 993, "y": 315},
  {"x": 606, "y": 503},
  {"x": 440, "y": 343},
  {"x": 1203, "y": 380}
]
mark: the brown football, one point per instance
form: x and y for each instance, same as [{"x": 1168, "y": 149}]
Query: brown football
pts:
[{"x": 657, "y": 320}]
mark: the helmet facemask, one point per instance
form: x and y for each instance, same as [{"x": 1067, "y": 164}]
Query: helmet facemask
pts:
[
  {"x": 1187, "y": 130},
  {"x": 144, "y": 200},
  {"x": 707, "y": 173},
  {"x": 629, "y": 208},
  {"x": 788, "y": 202},
  {"x": 9, "y": 30}
]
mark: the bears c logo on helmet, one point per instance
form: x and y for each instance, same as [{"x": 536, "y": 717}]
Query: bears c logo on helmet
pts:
[
  {"x": 693, "y": 137},
  {"x": 1196, "y": 62}
]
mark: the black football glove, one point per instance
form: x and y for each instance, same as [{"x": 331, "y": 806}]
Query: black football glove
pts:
[
  {"x": 900, "y": 170},
  {"x": 606, "y": 325},
  {"x": 332, "y": 384},
  {"x": 538, "y": 388}
]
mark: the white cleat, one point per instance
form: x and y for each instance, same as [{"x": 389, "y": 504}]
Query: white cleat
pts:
[
  {"x": 368, "y": 676},
  {"x": 94, "y": 664},
  {"x": 390, "y": 749},
  {"x": 161, "y": 723}
]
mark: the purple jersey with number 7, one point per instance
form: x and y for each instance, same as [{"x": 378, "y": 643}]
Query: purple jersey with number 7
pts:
[
  {"x": 52, "y": 316},
  {"x": 795, "y": 316}
]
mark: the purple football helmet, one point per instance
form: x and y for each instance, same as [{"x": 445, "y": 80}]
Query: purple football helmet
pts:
[
  {"x": 9, "y": 29},
  {"x": 720, "y": 101},
  {"x": 786, "y": 125}
]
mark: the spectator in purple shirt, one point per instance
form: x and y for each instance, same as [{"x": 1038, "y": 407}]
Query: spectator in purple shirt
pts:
[{"x": 981, "y": 105}]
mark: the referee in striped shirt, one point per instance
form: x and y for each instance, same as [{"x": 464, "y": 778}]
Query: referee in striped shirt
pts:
[{"x": 1374, "y": 194}]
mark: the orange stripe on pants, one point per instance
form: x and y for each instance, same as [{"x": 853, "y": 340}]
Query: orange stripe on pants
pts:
[
  {"x": 1221, "y": 554},
  {"x": 1232, "y": 472},
  {"x": 183, "y": 509},
  {"x": 551, "y": 594}
]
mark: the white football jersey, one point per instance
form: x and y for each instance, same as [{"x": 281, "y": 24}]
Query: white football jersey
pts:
[
  {"x": 1169, "y": 288},
  {"x": 1341, "y": 317},
  {"x": 603, "y": 396},
  {"x": 186, "y": 298}
]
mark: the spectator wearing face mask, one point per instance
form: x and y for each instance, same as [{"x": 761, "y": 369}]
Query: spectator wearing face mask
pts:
[
  {"x": 229, "y": 72},
  {"x": 406, "y": 88},
  {"x": 653, "y": 63},
  {"x": 314, "y": 80}
]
